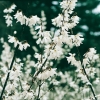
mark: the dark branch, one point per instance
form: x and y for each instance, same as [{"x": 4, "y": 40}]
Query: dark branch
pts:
[{"x": 9, "y": 73}]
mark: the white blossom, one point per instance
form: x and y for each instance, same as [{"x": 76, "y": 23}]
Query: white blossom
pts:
[
  {"x": 91, "y": 55},
  {"x": 32, "y": 20},
  {"x": 8, "y": 20},
  {"x": 13, "y": 6},
  {"x": 72, "y": 22},
  {"x": 58, "y": 20},
  {"x": 77, "y": 39},
  {"x": 56, "y": 53},
  {"x": 46, "y": 74},
  {"x": 10, "y": 10},
  {"x": 58, "y": 40},
  {"x": 85, "y": 61},
  {"x": 44, "y": 37},
  {"x": 28, "y": 95},
  {"x": 71, "y": 59},
  {"x": 68, "y": 4},
  {"x": 23, "y": 46},
  {"x": 20, "y": 17},
  {"x": 13, "y": 39}
]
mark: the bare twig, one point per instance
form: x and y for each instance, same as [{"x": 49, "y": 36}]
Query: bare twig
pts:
[{"x": 9, "y": 73}]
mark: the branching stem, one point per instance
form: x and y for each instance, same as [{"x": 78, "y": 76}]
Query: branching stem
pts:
[
  {"x": 9, "y": 73},
  {"x": 85, "y": 72}
]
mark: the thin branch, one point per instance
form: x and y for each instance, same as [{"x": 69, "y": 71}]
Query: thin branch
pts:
[
  {"x": 9, "y": 73},
  {"x": 20, "y": 84},
  {"x": 39, "y": 91},
  {"x": 34, "y": 78},
  {"x": 85, "y": 72}
]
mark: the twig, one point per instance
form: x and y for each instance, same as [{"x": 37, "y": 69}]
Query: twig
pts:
[
  {"x": 9, "y": 73},
  {"x": 37, "y": 73},
  {"x": 20, "y": 84},
  {"x": 39, "y": 91},
  {"x": 85, "y": 72}
]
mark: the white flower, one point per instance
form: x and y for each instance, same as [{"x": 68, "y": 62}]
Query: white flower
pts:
[
  {"x": 32, "y": 20},
  {"x": 23, "y": 46},
  {"x": 5, "y": 10},
  {"x": 20, "y": 17},
  {"x": 46, "y": 74},
  {"x": 67, "y": 39},
  {"x": 77, "y": 39},
  {"x": 97, "y": 80},
  {"x": 10, "y": 87},
  {"x": 8, "y": 20},
  {"x": 56, "y": 53},
  {"x": 38, "y": 56},
  {"x": 12, "y": 39},
  {"x": 8, "y": 17},
  {"x": 20, "y": 46},
  {"x": 75, "y": 20},
  {"x": 92, "y": 50},
  {"x": 73, "y": 85},
  {"x": 44, "y": 37},
  {"x": 90, "y": 54},
  {"x": 10, "y": 10},
  {"x": 38, "y": 41},
  {"x": 85, "y": 61},
  {"x": 28, "y": 95},
  {"x": 72, "y": 22},
  {"x": 58, "y": 20},
  {"x": 68, "y": 4},
  {"x": 47, "y": 49},
  {"x": 71, "y": 59},
  {"x": 14, "y": 74},
  {"x": 13, "y": 6},
  {"x": 18, "y": 60},
  {"x": 46, "y": 40},
  {"x": 58, "y": 40}
]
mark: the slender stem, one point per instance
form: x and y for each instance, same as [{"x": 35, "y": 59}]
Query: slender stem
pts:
[
  {"x": 8, "y": 73},
  {"x": 20, "y": 84},
  {"x": 87, "y": 76},
  {"x": 36, "y": 74},
  {"x": 85, "y": 72},
  {"x": 39, "y": 91}
]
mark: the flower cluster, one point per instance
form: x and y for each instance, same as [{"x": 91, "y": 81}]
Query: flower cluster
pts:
[
  {"x": 20, "y": 17},
  {"x": 24, "y": 20},
  {"x": 8, "y": 17},
  {"x": 10, "y": 9},
  {"x": 68, "y": 21},
  {"x": 46, "y": 74},
  {"x": 90, "y": 56},
  {"x": 22, "y": 45},
  {"x": 71, "y": 59}
]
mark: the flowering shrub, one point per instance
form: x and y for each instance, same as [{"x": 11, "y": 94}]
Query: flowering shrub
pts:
[{"x": 16, "y": 77}]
